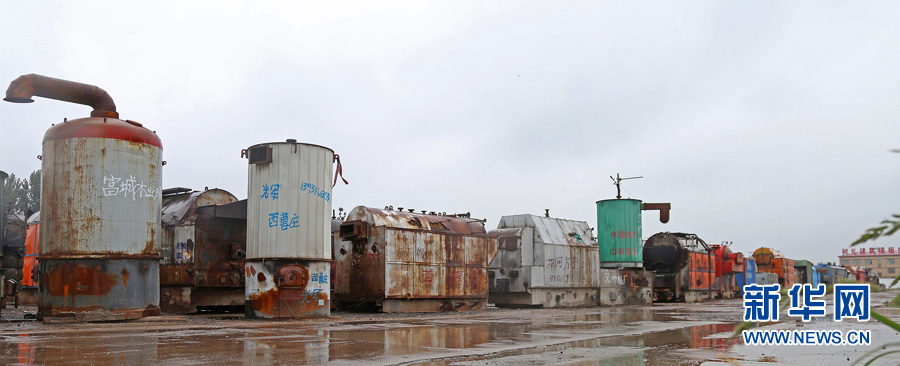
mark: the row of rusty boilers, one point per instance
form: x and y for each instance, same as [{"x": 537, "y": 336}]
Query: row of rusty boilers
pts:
[
  {"x": 551, "y": 262},
  {"x": 100, "y": 208}
]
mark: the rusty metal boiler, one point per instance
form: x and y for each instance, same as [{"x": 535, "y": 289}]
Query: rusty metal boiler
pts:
[
  {"x": 410, "y": 262},
  {"x": 544, "y": 261},
  {"x": 288, "y": 266},
  {"x": 100, "y": 208},
  {"x": 203, "y": 249}
]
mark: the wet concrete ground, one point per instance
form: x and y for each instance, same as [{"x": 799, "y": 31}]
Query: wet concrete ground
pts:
[{"x": 663, "y": 334}]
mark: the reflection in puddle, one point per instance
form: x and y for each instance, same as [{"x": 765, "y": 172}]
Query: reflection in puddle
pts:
[{"x": 626, "y": 336}]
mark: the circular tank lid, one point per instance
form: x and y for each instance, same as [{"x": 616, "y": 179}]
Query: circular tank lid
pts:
[
  {"x": 105, "y": 127},
  {"x": 619, "y": 199},
  {"x": 291, "y": 142}
]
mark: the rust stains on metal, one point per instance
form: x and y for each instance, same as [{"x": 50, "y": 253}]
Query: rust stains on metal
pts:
[
  {"x": 292, "y": 276},
  {"x": 409, "y": 220},
  {"x": 70, "y": 279},
  {"x": 150, "y": 248},
  {"x": 284, "y": 303},
  {"x": 26, "y": 86},
  {"x": 125, "y": 278}
]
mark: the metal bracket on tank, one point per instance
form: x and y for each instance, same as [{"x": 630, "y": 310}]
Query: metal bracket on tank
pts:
[{"x": 258, "y": 154}]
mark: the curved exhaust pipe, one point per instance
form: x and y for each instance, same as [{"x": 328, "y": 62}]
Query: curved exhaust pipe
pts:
[
  {"x": 663, "y": 209},
  {"x": 26, "y": 86}
]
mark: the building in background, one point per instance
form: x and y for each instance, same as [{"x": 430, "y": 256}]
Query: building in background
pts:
[{"x": 884, "y": 261}]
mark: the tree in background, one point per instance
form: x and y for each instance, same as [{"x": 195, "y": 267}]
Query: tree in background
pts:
[
  {"x": 24, "y": 194},
  {"x": 34, "y": 191}
]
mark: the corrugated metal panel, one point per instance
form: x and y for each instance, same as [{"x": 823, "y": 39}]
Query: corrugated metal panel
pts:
[
  {"x": 289, "y": 203},
  {"x": 415, "y": 221},
  {"x": 100, "y": 196},
  {"x": 701, "y": 272},
  {"x": 419, "y": 264},
  {"x": 179, "y": 206}
]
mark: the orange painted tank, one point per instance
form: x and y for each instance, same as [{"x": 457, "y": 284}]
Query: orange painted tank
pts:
[
  {"x": 32, "y": 246},
  {"x": 728, "y": 264},
  {"x": 773, "y": 261}
]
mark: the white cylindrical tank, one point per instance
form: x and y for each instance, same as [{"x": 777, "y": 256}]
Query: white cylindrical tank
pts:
[
  {"x": 289, "y": 201},
  {"x": 288, "y": 266}
]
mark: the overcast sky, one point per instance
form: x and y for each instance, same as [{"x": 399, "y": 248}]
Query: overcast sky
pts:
[{"x": 764, "y": 123}]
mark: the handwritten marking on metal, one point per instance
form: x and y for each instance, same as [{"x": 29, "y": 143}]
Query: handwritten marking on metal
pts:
[
  {"x": 311, "y": 295},
  {"x": 284, "y": 220},
  {"x": 270, "y": 191},
  {"x": 624, "y": 251},
  {"x": 113, "y": 186},
  {"x": 560, "y": 278},
  {"x": 622, "y": 234},
  {"x": 421, "y": 255},
  {"x": 320, "y": 277},
  {"x": 427, "y": 276},
  {"x": 562, "y": 263},
  {"x": 183, "y": 252},
  {"x": 614, "y": 279},
  {"x": 313, "y": 190}
]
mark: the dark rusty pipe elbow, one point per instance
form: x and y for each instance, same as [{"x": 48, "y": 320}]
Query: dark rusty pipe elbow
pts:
[
  {"x": 662, "y": 207},
  {"x": 26, "y": 86}
]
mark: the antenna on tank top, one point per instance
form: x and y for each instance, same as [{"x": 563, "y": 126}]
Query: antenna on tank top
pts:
[{"x": 618, "y": 182}]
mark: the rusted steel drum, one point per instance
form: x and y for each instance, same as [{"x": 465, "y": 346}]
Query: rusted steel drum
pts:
[
  {"x": 545, "y": 262},
  {"x": 408, "y": 262},
  {"x": 203, "y": 249},
  {"x": 100, "y": 226},
  {"x": 288, "y": 267}
]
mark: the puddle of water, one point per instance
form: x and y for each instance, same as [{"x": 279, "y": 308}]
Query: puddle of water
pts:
[{"x": 639, "y": 336}]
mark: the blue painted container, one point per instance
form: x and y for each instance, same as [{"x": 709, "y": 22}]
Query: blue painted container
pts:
[{"x": 749, "y": 272}]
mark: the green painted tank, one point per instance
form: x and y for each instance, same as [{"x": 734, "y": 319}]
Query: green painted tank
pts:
[{"x": 619, "y": 233}]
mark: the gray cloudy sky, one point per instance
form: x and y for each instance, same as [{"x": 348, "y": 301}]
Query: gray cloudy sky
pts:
[{"x": 763, "y": 122}]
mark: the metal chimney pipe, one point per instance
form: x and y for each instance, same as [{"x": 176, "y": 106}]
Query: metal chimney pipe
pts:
[
  {"x": 26, "y": 86},
  {"x": 662, "y": 207}
]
